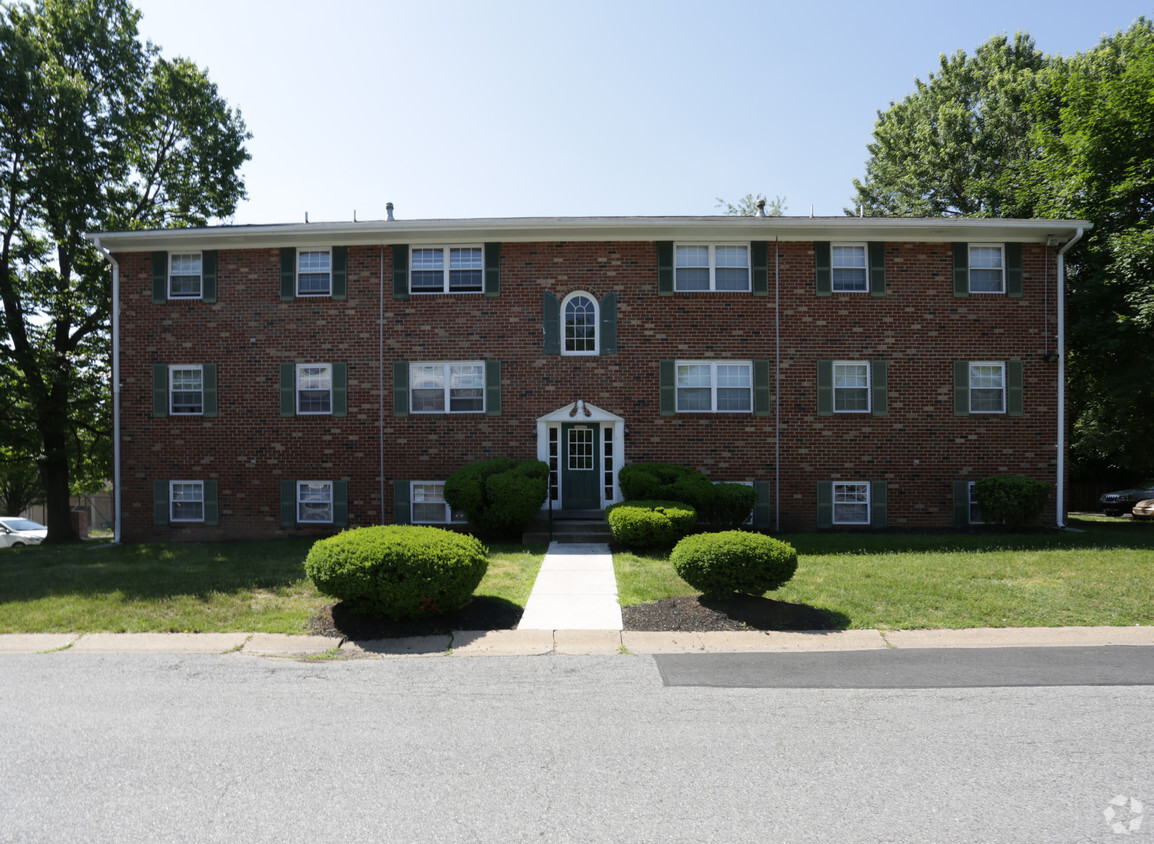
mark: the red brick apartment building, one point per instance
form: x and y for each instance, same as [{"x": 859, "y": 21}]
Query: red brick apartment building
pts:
[{"x": 861, "y": 373}]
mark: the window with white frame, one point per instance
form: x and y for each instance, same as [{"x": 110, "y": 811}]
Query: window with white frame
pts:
[
  {"x": 851, "y": 503},
  {"x": 315, "y": 502},
  {"x": 849, "y": 272},
  {"x": 713, "y": 387},
  {"x": 986, "y": 268},
  {"x": 711, "y": 266},
  {"x": 186, "y": 501},
  {"x": 447, "y": 269},
  {"x": 447, "y": 387},
  {"x": 987, "y": 388},
  {"x": 184, "y": 275},
  {"x": 851, "y": 387},
  {"x": 314, "y": 272},
  {"x": 314, "y": 388},
  {"x": 185, "y": 390},
  {"x": 428, "y": 504},
  {"x": 579, "y": 312}
]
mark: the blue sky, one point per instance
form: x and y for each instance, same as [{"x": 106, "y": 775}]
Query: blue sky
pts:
[{"x": 513, "y": 108}]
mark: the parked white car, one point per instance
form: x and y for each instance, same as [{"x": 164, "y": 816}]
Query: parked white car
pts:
[{"x": 15, "y": 531}]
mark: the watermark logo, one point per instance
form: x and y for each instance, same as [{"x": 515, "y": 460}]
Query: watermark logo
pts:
[{"x": 1124, "y": 814}]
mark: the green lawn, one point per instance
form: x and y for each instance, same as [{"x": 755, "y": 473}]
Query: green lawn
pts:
[
  {"x": 233, "y": 586},
  {"x": 1102, "y": 576}
]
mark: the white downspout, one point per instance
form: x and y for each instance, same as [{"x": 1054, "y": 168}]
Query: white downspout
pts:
[
  {"x": 1061, "y": 293},
  {"x": 116, "y": 521}
]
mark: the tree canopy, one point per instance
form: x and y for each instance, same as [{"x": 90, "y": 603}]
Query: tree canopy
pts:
[
  {"x": 97, "y": 131},
  {"x": 1009, "y": 132},
  {"x": 747, "y": 206}
]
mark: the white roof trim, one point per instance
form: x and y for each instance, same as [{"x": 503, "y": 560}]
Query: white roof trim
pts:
[{"x": 579, "y": 411}]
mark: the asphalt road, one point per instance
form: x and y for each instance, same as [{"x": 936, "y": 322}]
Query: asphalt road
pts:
[{"x": 147, "y": 748}]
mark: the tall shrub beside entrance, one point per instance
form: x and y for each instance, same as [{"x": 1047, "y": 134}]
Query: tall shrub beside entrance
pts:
[{"x": 500, "y": 497}]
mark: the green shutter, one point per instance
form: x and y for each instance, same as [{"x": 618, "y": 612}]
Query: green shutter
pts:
[
  {"x": 759, "y": 265},
  {"x": 288, "y": 273},
  {"x": 824, "y": 504},
  {"x": 668, "y": 389},
  {"x": 492, "y": 269},
  {"x": 160, "y": 284},
  {"x": 211, "y": 503},
  {"x": 825, "y": 388},
  {"x": 400, "y": 388},
  {"x": 288, "y": 389},
  {"x": 340, "y": 267},
  {"x": 961, "y": 505},
  {"x": 1014, "y": 404},
  {"x": 762, "y": 397},
  {"x": 961, "y": 269},
  {"x": 160, "y": 502},
  {"x": 879, "y": 387},
  {"x": 402, "y": 514},
  {"x": 208, "y": 382},
  {"x": 609, "y": 323},
  {"x": 340, "y": 389},
  {"x": 961, "y": 388},
  {"x": 879, "y": 504},
  {"x": 208, "y": 264},
  {"x": 822, "y": 266},
  {"x": 288, "y": 503},
  {"x": 492, "y": 388},
  {"x": 551, "y": 322},
  {"x": 1013, "y": 270},
  {"x": 877, "y": 261},
  {"x": 159, "y": 390},
  {"x": 340, "y": 503},
  {"x": 401, "y": 271},
  {"x": 665, "y": 268},
  {"x": 762, "y": 511}
]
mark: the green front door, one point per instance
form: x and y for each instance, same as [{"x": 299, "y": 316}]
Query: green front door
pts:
[{"x": 579, "y": 467}]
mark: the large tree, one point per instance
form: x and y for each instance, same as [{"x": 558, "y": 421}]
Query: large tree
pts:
[
  {"x": 97, "y": 131},
  {"x": 1009, "y": 132}
]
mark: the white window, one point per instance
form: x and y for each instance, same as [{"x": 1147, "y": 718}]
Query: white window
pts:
[
  {"x": 314, "y": 272},
  {"x": 184, "y": 275},
  {"x": 710, "y": 387},
  {"x": 850, "y": 273},
  {"x": 185, "y": 390},
  {"x": 851, "y": 503},
  {"x": 987, "y": 388},
  {"x": 986, "y": 268},
  {"x": 314, "y": 388},
  {"x": 580, "y": 314},
  {"x": 447, "y": 269},
  {"x": 851, "y": 387},
  {"x": 427, "y": 500},
  {"x": 975, "y": 510},
  {"x": 186, "y": 501},
  {"x": 711, "y": 266},
  {"x": 315, "y": 502},
  {"x": 447, "y": 387}
]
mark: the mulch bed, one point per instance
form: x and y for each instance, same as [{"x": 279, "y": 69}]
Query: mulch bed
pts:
[{"x": 674, "y": 615}]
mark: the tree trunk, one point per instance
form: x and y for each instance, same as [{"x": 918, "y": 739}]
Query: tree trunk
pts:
[{"x": 57, "y": 495}]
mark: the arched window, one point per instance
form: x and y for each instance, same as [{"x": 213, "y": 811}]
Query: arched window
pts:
[{"x": 580, "y": 321}]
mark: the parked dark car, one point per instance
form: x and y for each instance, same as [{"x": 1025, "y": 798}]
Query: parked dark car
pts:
[{"x": 1121, "y": 502}]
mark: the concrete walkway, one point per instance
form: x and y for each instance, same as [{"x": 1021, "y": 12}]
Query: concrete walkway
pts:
[{"x": 576, "y": 589}]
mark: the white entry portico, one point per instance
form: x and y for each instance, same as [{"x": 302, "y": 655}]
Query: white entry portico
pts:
[{"x": 585, "y": 449}]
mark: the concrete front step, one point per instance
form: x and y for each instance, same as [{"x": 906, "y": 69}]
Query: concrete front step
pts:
[{"x": 569, "y": 526}]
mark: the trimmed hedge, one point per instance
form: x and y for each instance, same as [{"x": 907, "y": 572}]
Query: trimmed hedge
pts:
[
  {"x": 399, "y": 571},
  {"x": 667, "y": 482},
  {"x": 500, "y": 497},
  {"x": 733, "y": 504},
  {"x": 650, "y": 524},
  {"x": 1011, "y": 499},
  {"x": 733, "y": 562}
]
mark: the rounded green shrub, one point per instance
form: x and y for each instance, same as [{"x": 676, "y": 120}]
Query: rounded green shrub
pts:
[
  {"x": 650, "y": 524},
  {"x": 399, "y": 571},
  {"x": 1011, "y": 499},
  {"x": 733, "y": 504},
  {"x": 500, "y": 497},
  {"x": 733, "y": 562},
  {"x": 667, "y": 482}
]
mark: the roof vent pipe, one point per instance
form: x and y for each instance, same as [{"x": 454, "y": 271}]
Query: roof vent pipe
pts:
[
  {"x": 760, "y": 208},
  {"x": 389, "y": 211}
]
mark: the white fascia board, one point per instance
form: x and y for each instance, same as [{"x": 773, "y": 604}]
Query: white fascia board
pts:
[{"x": 546, "y": 229}]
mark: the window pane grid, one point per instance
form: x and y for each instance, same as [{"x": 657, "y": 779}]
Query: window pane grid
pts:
[
  {"x": 187, "y": 501},
  {"x": 711, "y": 267},
  {"x": 187, "y": 391},
  {"x": 315, "y": 501},
  {"x": 459, "y": 387},
  {"x": 851, "y": 387},
  {"x": 428, "y": 503},
  {"x": 987, "y": 393},
  {"x": 580, "y": 325},
  {"x": 313, "y": 272},
  {"x": 848, "y": 265},
  {"x": 985, "y": 269},
  {"x": 314, "y": 389},
  {"x": 714, "y": 387},
  {"x": 447, "y": 269},
  {"x": 184, "y": 275},
  {"x": 554, "y": 464},
  {"x": 851, "y": 503},
  {"x": 580, "y": 449}
]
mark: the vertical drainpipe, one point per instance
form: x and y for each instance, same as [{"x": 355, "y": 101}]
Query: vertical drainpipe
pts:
[
  {"x": 1061, "y": 294},
  {"x": 115, "y": 389},
  {"x": 381, "y": 380},
  {"x": 777, "y": 384}
]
